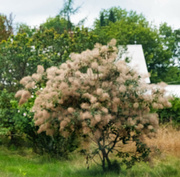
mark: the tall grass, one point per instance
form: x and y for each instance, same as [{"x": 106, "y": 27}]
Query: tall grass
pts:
[{"x": 167, "y": 141}]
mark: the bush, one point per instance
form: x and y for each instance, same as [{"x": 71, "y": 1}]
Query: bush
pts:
[
  {"x": 8, "y": 131},
  {"x": 17, "y": 128},
  {"x": 167, "y": 115},
  {"x": 56, "y": 146},
  {"x": 102, "y": 101}
]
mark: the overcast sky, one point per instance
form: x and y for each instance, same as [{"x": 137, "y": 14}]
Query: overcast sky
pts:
[{"x": 35, "y": 12}]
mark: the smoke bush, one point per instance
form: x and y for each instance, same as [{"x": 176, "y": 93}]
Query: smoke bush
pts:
[{"x": 106, "y": 102}]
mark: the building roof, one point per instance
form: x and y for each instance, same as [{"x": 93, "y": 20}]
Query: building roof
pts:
[{"x": 135, "y": 56}]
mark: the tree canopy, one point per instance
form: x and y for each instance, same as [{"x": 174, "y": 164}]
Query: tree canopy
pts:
[
  {"x": 67, "y": 11},
  {"x": 58, "y": 23},
  {"x": 6, "y": 26},
  {"x": 24, "y": 51},
  {"x": 160, "y": 45}
]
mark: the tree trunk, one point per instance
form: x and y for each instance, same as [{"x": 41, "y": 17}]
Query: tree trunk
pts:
[
  {"x": 105, "y": 157},
  {"x": 108, "y": 162}
]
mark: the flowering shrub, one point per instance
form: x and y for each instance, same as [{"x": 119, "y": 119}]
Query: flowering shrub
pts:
[
  {"x": 56, "y": 146},
  {"x": 105, "y": 102}
]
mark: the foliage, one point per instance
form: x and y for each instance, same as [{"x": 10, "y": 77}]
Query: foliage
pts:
[
  {"x": 25, "y": 51},
  {"x": 15, "y": 55},
  {"x": 103, "y": 101},
  {"x": 6, "y": 26},
  {"x": 112, "y": 16},
  {"x": 167, "y": 56},
  {"x": 172, "y": 113},
  {"x": 23, "y": 28},
  {"x": 54, "y": 49},
  {"x": 161, "y": 46},
  {"x": 19, "y": 56},
  {"x": 117, "y": 14},
  {"x": 67, "y": 11},
  {"x": 56, "y": 146},
  {"x": 17, "y": 127},
  {"x": 58, "y": 23},
  {"x": 7, "y": 124},
  {"x": 102, "y": 21},
  {"x": 23, "y": 126}
]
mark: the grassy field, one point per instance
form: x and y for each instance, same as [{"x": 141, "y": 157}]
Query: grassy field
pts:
[{"x": 165, "y": 163}]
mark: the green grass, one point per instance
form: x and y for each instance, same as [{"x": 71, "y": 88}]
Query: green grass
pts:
[{"x": 25, "y": 163}]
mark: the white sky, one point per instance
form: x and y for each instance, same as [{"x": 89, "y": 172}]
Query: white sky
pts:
[{"x": 34, "y": 12}]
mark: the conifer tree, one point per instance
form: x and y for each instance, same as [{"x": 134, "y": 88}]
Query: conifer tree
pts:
[
  {"x": 111, "y": 16},
  {"x": 102, "y": 19},
  {"x": 67, "y": 11}
]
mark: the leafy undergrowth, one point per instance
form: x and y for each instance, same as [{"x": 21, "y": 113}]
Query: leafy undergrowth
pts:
[{"x": 25, "y": 163}]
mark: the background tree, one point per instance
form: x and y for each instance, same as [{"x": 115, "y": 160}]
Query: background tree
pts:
[
  {"x": 165, "y": 56},
  {"x": 102, "y": 20},
  {"x": 67, "y": 11},
  {"x": 15, "y": 54},
  {"x": 177, "y": 45},
  {"x": 58, "y": 23},
  {"x": 160, "y": 45},
  {"x": 25, "y": 51},
  {"x": 6, "y": 26},
  {"x": 111, "y": 16},
  {"x": 23, "y": 28}
]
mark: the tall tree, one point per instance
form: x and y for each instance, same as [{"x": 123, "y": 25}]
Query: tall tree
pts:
[
  {"x": 102, "y": 20},
  {"x": 22, "y": 53},
  {"x": 58, "y": 23},
  {"x": 160, "y": 45},
  {"x": 23, "y": 28},
  {"x": 67, "y": 11},
  {"x": 111, "y": 16},
  {"x": 6, "y": 26}
]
